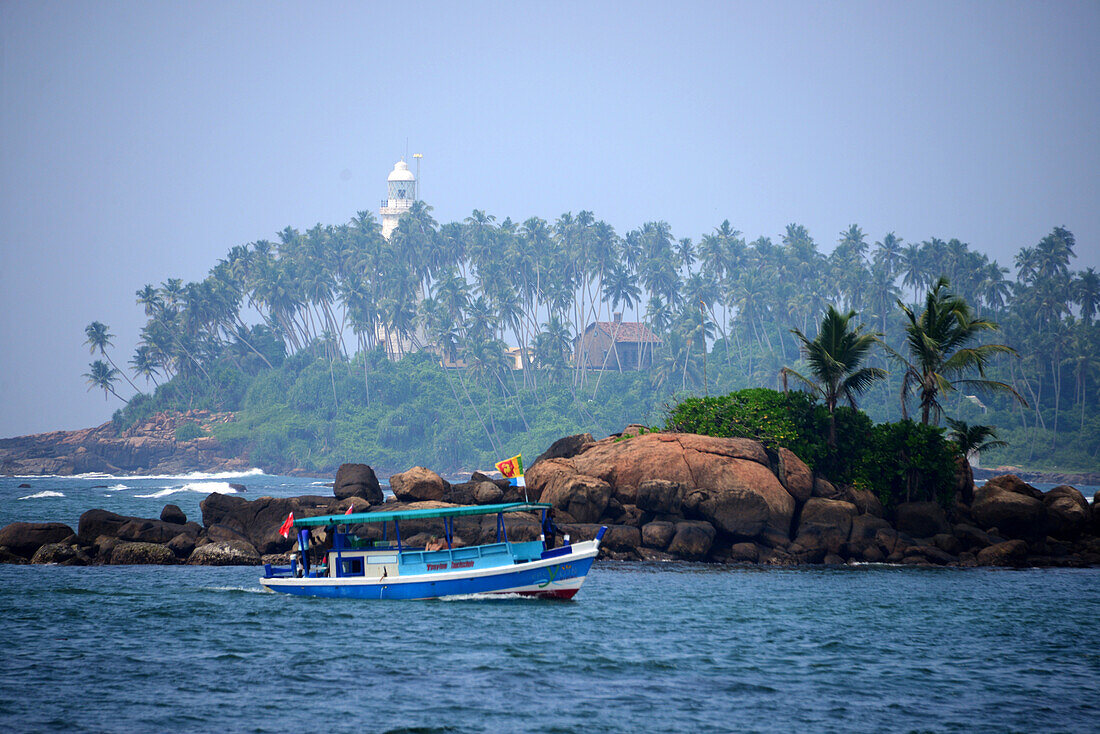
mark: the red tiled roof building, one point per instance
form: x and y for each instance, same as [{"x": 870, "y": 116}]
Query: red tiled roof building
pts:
[{"x": 616, "y": 345}]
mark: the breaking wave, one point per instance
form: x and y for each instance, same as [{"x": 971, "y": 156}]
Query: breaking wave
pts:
[
  {"x": 253, "y": 472},
  {"x": 203, "y": 487},
  {"x": 39, "y": 495}
]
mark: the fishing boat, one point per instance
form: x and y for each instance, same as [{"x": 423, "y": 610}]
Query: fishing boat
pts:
[{"x": 356, "y": 567}]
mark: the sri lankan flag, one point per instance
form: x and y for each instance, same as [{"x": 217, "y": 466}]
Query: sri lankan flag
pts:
[{"x": 511, "y": 468}]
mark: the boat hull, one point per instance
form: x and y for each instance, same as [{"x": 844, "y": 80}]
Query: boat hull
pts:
[{"x": 556, "y": 578}]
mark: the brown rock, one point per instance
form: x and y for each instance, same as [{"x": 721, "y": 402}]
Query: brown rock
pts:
[
  {"x": 971, "y": 537},
  {"x": 25, "y": 538},
  {"x": 1008, "y": 553},
  {"x": 132, "y": 554},
  {"x": 922, "y": 519},
  {"x": 61, "y": 554},
  {"x": 692, "y": 540},
  {"x": 865, "y": 501},
  {"x": 152, "y": 531},
  {"x": 565, "y": 448},
  {"x": 95, "y": 523},
  {"x": 872, "y": 554},
  {"x": 824, "y": 488},
  {"x": 1068, "y": 512},
  {"x": 660, "y": 496},
  {"x": 744, "y": 553},
  {"x": 658, "y": 534},
  {"x": 488, "y": 493},
  {"x": 357, "y": 480},
  {"x": 1007, "y": 504},
  {"x": 223, "y": 553},
  {"x": 173, "y": 514},
  {"x": 182, "y": 545},
  {"x": 583, "y": 497},
  {"x": 621, "y": 538},
  {"x": 795, "y": 475},
  {"x": 824, "y": 520},
  {"x": 865, "y": 527},
  {"x": 417, "y": 485},
  {"x": 6, "y": 556},
  {"x": 948, "y": 543}
]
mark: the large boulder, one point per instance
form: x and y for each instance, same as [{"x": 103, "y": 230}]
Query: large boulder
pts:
[
  {"x": 922, "y": 519},
  {"x": 825, "y": 522},
  {"x": 565, "y": 448},
  {"x": 659, "y": 496},
  {"x": 1008, "y": 553},
  {"x": 621, "y": 538},
  {"x": 95, "y": 523},
  {"x": 795, "y": 475},
  {"x": 1068, "y": 512},
  {"x": 154, "y": 531},
  {"x": 584, "y": 498},
  {"x": 61, "y": 554},
  {"x": 865, "y": 501},
  {"x": 357, "y": 480},
  {"x": 488, "y": 493},
  {"x": 25, "y": 538},
  {"x": 1012, "y": 506},
  {"x": 259, "y": 519},
  {"x": 223, "y": 553},
  {"x": 133, "y": 554},
  {"x": 173, "y": 514},
  {"x": 692, "y": 540},
  {"x": 418, "y": 485},
  {"x": 865, "y": 527},
  {"x": 658, "y": 534}
]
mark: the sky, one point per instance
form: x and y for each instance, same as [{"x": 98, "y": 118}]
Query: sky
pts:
[{"x": 140, "y": 141}]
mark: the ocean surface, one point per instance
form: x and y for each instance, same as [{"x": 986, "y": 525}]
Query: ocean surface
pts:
[{"x": 645, "y": 647}]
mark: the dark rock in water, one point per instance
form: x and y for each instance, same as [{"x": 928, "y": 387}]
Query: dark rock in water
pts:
[
  {"x": 140, "y": 554},
  {"x": 948, "y": 543},
  {"x": 658, "y": 534},
  {"x": 622, "y": 538},
  {"x": 24, "y": 485},
  {"x": 95, "y": 523},
  {"x": 62, "y": 554},
  {"x": 1068, "y": 512},
  {"x": 660, "y": 496},
  {"x": 693, "y": 540},
  {"x": 357, "y": 480},
  {"x": 224, "y": 553},
  {"x": 182, "y": 545},
  {"x": 6, "y": 556},
  {"x": 744, "y": 553},
  {"x": 259, "y": 520},
  {"x": 218, "y": 532},
  {"x": 418, "y": 485},
  {"x": 1012, "y": 506},
  {"x": 173, "y": 514},
  {"x": 972, "y": 537},
  {"x": 1008, "y": 553},
  {"x": 237, "y": 487},
  {"x": 566, "y": 448},
  {"x": 24, "y": 538},
  {"x": 865, "y": 527},
  {"x": 139, "y": 530},
  {"x": 1096, "y": 513},
  {"x": 922, "y": 519},
  {"x": 825, "y": 523}
]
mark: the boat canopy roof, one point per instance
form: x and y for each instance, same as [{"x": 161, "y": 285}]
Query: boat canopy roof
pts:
[{"x": 420, "y": 514}]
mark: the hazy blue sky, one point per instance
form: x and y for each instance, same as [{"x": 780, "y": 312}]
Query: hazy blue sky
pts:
[{"x": 140, "y": 141}]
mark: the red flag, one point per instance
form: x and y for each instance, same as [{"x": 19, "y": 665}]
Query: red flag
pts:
[
  {"x": 350, "y": 510},
  {"x": 284, "y": 530}
]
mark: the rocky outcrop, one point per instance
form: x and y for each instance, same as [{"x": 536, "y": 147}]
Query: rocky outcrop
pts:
[
  {"x": 1012, "y": 506},
  {"x": 357, "y": 480},
  {"x": 1068, "y": 512},
  {"x": 148, "y": 446},
  {"x": 566, "y": 448},
  {"x": 224, "y": 553},
  {"x": 23, "y": 539},
  {"x": 418, "y": 485},
  {"x": 142, "y": 554},
  {"x": 922, "y": 519}
]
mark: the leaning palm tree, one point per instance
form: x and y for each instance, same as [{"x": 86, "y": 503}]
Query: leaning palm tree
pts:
[
  {"x": 939, "y": 353},
  {"x": 103, "y": 376},
  {"x": 99, "y": 338},
  {"x": 835, "y": 356}
]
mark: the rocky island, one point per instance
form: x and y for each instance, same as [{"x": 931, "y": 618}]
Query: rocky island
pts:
[{"x": 663, "y": 496}]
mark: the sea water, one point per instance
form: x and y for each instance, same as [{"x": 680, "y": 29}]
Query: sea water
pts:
[{"x": 644, "y": 647}]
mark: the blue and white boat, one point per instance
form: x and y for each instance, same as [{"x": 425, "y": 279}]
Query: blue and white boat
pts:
[{"x": 358, "y": 568}]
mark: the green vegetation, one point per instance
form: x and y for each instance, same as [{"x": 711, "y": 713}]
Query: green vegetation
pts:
[
  {"x": 331, "y": 343},
  {"x": 189, "y": 430},
  {"x": 901, "y": 462}
]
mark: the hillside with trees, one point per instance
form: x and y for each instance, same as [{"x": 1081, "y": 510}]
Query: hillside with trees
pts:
[{"x": 336, "y": 344}]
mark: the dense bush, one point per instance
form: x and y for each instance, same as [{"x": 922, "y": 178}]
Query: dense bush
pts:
[{"x": 900, "y": 462}]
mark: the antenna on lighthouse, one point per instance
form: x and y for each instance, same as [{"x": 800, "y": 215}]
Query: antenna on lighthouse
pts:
[{"x": 419, "y": 187}]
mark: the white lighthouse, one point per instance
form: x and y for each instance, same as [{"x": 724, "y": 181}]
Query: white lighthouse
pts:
[{"x": 401, "y": 189}]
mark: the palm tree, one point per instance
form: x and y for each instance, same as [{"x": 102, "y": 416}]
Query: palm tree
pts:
[
  {"x": 937, "y": 341},
  {"x": 835, "y": 356},
  {"x": 103, "y": 376},
  {"x": 973, "y": 439},
  {"x": 99, "y": 338}
]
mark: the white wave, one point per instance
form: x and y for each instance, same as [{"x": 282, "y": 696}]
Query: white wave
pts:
[
  {"x": 47, "y": 493},
  {"x": 253, "y": 472},
  {"x": 203, "y": 487},
  {"x": 117, "y": 487}
]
